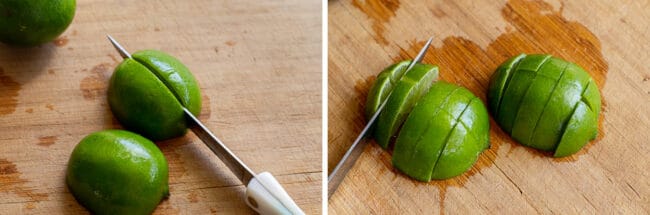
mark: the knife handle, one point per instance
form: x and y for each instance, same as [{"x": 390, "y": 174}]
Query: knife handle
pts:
[{"x": 265, "y": 195}]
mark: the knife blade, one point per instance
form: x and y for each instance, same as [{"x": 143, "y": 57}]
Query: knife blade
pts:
[
  {"x": 264, "y": 193},
  {"x": 236, "y": 166},
  {"x": 350, "y": 157}
]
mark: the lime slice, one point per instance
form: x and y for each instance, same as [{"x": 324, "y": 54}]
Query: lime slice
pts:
[
  {"x": 558, "y": 110},
  {"x": 383, "y": 85},
  {"x": 536, "y": 98},
  {"x": 498, "y": 82},
  {"x": 522, "y": 77},
  {"x": 421, "y": 138},
  {"x": 404, "y": 96},
  {"x": 580, "y": 129}
]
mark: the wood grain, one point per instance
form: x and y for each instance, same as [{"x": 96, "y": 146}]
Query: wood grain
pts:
[
  {"x": 608, "y": 39},
  {"x": 257, "y": 63}
]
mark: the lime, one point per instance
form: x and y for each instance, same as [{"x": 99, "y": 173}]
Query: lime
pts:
[
  {"x": 578, "y": 132},
  {"x": 519, "y": 82},
  {"x": 533, "y": 102},
  {"x": 117, "y": 172},
  {"x": 545, "y": 102},
  {"x": 443, "y": 135},
  {"x": 384, "y": 84},
  {"x": 146, "y": 94},
  {"x": 405, "y": 94},
  {"x": 33, "y": 22},
  {"x": 499, "y": 80}
]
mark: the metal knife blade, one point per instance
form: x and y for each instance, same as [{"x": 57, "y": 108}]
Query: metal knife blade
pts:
[
  {"x": 337, "y": 175},
  {"x": 243, "y": 172}
]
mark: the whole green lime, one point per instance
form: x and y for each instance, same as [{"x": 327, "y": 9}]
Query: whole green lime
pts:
[
  {"x": 34, "y": 22},
  {"x": 443, "y": 135},
  {"x": 147, "y": 92},
  {"x": 117, "y": 172},
  {"x": 545, "y": 103}
]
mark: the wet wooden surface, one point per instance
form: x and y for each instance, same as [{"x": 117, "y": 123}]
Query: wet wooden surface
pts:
[
  {"x": 609, "y": 39},
  {"x": 258, "y": 65}
]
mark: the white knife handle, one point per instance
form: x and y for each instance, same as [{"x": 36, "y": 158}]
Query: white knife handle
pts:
[{"x": 265, "y": 195}]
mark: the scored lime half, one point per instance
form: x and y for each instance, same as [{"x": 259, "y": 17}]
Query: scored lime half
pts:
[{"x": 147, "y": 94}]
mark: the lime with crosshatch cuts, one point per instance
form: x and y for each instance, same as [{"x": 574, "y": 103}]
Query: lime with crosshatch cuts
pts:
[
  {"x": 545, "y": 103},
  {"x": 147, "y": 92}
]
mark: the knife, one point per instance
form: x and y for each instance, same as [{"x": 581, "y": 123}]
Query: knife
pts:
[
  {"x": 264, "y": 194},
  {"x": 350, "y": 157}
]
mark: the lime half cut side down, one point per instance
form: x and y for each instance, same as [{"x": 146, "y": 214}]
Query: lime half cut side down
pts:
[{"x": 117, "y": 172}]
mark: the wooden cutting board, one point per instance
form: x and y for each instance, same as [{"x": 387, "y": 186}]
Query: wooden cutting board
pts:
[
  {"x": 257, "y": 63},
  {"x": 608, "y": 38}
]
